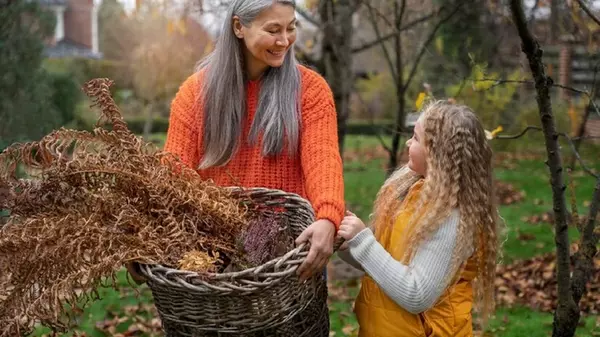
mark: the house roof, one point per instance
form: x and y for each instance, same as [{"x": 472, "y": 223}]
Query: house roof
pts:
[{"x": 66, "y": 48}]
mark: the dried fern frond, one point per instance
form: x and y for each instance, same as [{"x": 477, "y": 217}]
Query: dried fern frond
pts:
[{"x": 93, "y": 201}]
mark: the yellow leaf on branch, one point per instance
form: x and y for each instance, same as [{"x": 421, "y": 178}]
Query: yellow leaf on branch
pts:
[
  {"x": 492, "y": 134},
  {"x": 420, "y": 100},
  {"x": 572, "y": 112}
]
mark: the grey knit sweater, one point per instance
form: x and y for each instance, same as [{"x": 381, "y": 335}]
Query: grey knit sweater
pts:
[{"x": 415, "y": 287}]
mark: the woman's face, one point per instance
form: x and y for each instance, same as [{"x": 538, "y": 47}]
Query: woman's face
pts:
[{"x": 268, "y": 38}]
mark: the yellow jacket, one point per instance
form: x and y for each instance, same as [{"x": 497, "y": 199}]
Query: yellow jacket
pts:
[{"x": 379, "y": 316}]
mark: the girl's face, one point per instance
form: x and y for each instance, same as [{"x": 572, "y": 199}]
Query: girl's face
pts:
[
  {"x": 268, "y": 39},
  {"x": 417, "y": 154}
]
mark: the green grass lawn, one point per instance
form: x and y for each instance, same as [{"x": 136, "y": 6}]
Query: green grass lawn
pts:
[{"x": 363, "y": 179}]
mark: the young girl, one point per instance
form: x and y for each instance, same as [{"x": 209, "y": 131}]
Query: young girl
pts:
[{"x": 431, "y": 252}]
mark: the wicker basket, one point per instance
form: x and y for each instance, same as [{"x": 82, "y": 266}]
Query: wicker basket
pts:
[{"x": 267, "y": 300}]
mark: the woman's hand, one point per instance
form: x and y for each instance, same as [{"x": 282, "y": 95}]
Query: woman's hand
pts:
[
  {"x": 351, "y": 225},
  {"x": 320, "y": 235}
]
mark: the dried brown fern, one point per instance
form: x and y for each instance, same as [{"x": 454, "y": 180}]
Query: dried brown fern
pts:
[{"x": 91, "y": 202}]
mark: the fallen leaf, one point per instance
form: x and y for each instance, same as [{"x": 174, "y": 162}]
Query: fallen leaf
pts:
[
  {"x": 532, "y": 283},
  {"x": 506, "y": 193},
  {"x": 526, "y": 237},
  {"x": 348, "y": 330}
]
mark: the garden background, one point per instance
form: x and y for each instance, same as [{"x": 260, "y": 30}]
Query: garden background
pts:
[{"x": 382, "y": 59}]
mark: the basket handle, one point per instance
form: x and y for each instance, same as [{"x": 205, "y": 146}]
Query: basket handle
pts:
[{"x": 337, "y": 243}]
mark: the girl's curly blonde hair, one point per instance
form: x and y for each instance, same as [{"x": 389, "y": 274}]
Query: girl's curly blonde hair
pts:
[{"x": 459, "y": 176}]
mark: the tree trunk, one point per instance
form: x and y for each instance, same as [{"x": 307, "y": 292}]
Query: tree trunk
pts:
[
  {"x": 580, "y": 133},
  {"x": 400, "y": 88},
  {"x": 336, "y": 18},
  {"x": 566, "y": 316}
]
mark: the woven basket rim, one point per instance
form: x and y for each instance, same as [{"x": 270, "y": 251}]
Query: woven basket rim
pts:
[{"x": 298, "y": 251}]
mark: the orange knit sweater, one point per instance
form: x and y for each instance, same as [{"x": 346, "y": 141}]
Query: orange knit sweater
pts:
[{"x": 315, "y": 173}]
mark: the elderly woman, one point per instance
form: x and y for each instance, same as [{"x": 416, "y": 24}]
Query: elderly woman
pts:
[{"x": 252, "y": 116}]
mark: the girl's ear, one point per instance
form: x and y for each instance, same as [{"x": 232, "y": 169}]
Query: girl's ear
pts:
[{"x": 238, "y": 28}]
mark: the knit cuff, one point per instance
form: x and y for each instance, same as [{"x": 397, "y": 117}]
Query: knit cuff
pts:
[
  {"x": 330, "y": 213},
  {"x": 360, "y": 245}
]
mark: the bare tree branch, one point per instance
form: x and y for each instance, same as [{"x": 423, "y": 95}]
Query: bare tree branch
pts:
[
  {"x": 570, "y": 140},
  {"x": 386, "y": 53},
  {"x": 586, "y": 115},
  {"x": 567, "y": 314},
  {"x": 402, "y": 10},
  {"x": 386, "y": 37},
  {"x": 520, "y": 134},
  {"x": 588, "y": 11},
  {"x": 356, "y": 5},
  {"x": 580, "y": 91},
  {"x": 584, "y": 259},
  {"x": 430, "y": 38},
  {"x": 377, "y": 133},
  {"x": 463, "y": 83},
  {"x": 587, "y": 93},
  {"x": 379, "y": 14}
]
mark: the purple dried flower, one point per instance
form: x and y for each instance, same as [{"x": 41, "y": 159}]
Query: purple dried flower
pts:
[{"x": 260, "y": 240}]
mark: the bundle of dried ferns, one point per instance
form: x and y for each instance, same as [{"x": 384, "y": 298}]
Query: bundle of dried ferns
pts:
[{"x": 92, "y": 201}]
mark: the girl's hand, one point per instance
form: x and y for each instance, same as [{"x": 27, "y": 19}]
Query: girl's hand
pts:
[{"x": 351, "y": 225}]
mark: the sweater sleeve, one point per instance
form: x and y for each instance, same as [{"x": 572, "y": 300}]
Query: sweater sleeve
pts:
[
  {"x": 319, "y": 150},
  {"x": 415, "y": 287},
  {"x": 347, "y": 257},
  {"x": 182, "y": 133}
]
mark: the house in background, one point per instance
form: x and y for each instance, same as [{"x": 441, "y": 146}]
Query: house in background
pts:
[{"x": 76, "y": 31}]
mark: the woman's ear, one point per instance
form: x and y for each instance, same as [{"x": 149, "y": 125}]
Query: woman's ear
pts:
[{"x": 238, "y": 27}]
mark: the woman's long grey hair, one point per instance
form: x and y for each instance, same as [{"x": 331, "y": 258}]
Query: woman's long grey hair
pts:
[{"x": 224, "y": 94}]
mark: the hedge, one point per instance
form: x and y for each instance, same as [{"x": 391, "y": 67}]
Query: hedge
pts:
[{"x": 160, "y": 125}]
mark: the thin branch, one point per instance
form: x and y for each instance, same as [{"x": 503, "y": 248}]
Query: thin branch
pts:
[
  {"x": 587, "y": 10},
  {"x": 388, "y": 36},
  {"x": 585, "y": 137},
  {"x": 393, "y": 131},
  {"x": 356, "y": 5},
  {"x": 463, "y": 83},
  {"x": 584, "y": 259},
  {"x": 430, "y": 38},
  {"x": 584, "y": 92},
  {"x": 379, "y": 137},
  {"x": 570, "y": 140},
  {"x": 498, "y": 82},
  {"x": 326, "y": 11},
  {"x": 523, "y": 133},
  {"x": 586, "y": 115},
  {"x": 520, "y": 134},
  {"x": 379, "y": 14},
  {"x": 530, "y": 46},
  {"x": 386, "y": 53},
  {"x": 402, "y": 11}
]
